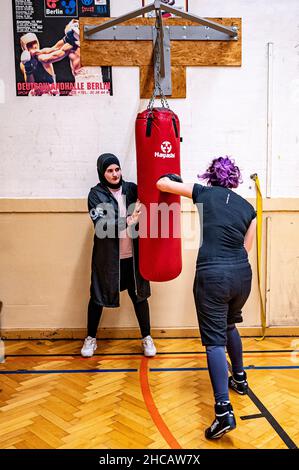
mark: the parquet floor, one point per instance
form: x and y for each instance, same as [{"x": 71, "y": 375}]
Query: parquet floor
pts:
[{"x": 51, "y": 398}]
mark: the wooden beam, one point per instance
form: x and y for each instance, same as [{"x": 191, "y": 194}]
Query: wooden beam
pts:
[
  {"x": 140, "y": 53},
  {"x": 178, "y": 78}
]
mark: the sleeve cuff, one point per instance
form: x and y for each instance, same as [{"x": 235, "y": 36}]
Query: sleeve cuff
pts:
[{"x": 195, "y": 192}]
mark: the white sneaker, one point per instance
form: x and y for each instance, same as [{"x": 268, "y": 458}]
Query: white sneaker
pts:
[
  {"x": 89, "y": 347},
  {"x": 149, "y": 349}
]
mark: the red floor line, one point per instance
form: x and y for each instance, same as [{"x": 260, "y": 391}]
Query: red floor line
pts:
[{"x": 152, "y": 409}]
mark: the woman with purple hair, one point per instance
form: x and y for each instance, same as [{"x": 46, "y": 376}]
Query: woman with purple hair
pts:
[{"x": 223, "y": 278}]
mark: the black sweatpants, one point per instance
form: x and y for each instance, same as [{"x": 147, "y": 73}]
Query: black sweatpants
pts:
[{"x": 127, "y": 282}]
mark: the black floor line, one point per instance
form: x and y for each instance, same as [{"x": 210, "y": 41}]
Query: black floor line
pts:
[
  {"x": 272, "y": 421},
  {"x": 134, "y": 339},
  {"x": 76, "y": 355},
  {"x": 257, "y": 415},
  {"x": 270, "y": 418},
  {"x": 158, "y": 353},
  {"x": 270, "y": 351}
]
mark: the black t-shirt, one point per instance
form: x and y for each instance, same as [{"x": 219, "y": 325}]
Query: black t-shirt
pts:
[{"x": 225, "y": 217}]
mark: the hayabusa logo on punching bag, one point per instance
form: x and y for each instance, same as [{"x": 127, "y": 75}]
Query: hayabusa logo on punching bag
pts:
[{"x": 166, "y": 148}]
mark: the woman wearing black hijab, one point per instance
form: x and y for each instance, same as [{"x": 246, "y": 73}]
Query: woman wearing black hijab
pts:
[{"x": 114, "y": 209}]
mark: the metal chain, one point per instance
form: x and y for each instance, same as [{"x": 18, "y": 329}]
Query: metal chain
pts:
[{"x": 157, "y": 73}]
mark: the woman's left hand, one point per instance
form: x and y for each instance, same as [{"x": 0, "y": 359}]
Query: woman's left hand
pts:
[{"x": 134, "y": 217}]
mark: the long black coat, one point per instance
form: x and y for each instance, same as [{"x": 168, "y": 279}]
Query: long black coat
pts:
[{"x": 105, "y": 269}]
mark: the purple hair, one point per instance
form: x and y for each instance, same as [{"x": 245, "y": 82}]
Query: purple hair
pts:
[{"x": 223, "y": 172}]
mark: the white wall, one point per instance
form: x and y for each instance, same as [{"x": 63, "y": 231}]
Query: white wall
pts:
[{"x": 49, "y": 145}]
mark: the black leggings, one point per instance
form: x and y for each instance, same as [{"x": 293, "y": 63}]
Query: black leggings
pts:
[
  {"x": 141, "y": 310},
  {"x": 127, "y": 282}
]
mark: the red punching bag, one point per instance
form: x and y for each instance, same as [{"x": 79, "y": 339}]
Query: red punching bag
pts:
[{"x": 158, "y": 153}]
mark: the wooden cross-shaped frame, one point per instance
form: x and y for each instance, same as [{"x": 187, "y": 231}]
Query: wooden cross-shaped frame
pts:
[{"x": 219, "y": 44}]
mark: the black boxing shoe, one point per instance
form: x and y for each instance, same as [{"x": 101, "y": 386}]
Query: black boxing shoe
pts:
[
  {"x": 238, "y": 383},
  {"x": 224, "y": 421}
]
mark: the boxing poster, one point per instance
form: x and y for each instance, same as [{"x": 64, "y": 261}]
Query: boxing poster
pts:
[{"x": 47, "y": 48}]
